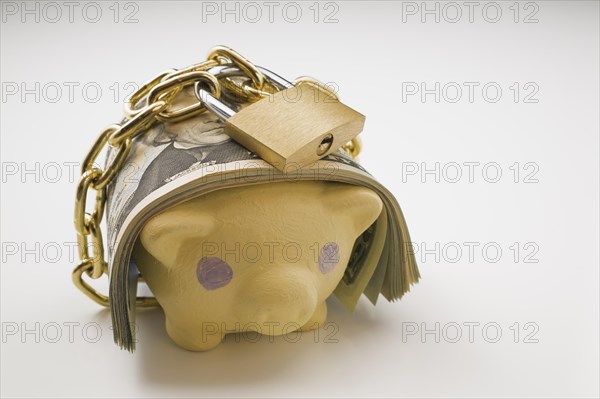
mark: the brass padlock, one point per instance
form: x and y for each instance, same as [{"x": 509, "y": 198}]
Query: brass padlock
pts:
[{"x": 295, "y": 126}]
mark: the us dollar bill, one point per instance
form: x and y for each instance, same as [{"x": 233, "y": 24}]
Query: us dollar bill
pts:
[{"x": 171, "y": 163}]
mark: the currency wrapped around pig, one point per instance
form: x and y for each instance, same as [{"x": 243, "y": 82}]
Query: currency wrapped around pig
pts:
[{"x": 224, "y": 239}]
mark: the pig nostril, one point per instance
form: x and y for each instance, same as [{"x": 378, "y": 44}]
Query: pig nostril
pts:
[{"x": 213, "y": 273}]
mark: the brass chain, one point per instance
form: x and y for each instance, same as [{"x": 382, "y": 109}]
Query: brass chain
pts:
[{"x": 150, "y": 103}]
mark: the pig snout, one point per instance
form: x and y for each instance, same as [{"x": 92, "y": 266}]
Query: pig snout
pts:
[{"x": 280, "y": 298}]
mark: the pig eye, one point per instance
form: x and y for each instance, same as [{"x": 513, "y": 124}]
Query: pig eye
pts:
[
  {"x": 213, "y": 273},
  {"x": 329, "y": 257}
]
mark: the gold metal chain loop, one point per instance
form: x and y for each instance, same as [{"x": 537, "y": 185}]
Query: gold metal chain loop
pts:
[
  {"x": 115, "y": 165},
  {"x": 97, "y": 147},
  {"x": 202, "y": 66},
  {"x": 132, "y": 107},
  {"x": 221, "y": 52},
  {"x": 81, "y": 197},
  {"x": 137, "y": 124},
  {"x": 245, "y": 89},
  {"x": 85, "y": 267},
  {"x": 150, "y": 103},
  {"x": 322, "y": 87},
  {"x": 95, "y": 295},
  {"x": 167, "y": 89}
]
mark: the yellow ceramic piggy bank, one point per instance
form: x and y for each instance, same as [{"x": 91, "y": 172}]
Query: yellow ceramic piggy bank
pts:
[{"x": 258, "y": 258}]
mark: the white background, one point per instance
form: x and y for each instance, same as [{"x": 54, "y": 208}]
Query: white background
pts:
[{"x": 374, "y": 52}]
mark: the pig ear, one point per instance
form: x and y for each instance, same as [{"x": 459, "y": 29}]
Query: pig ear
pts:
[
  {"x": 165, "y": 235},
  {"x": 359, "y": 204}
]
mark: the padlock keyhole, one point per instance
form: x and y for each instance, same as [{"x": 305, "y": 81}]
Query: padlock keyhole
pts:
[{"x": 325, "y": 144}]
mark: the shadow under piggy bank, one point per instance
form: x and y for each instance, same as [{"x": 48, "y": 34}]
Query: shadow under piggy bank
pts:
[{"x": 242, "y": 359}]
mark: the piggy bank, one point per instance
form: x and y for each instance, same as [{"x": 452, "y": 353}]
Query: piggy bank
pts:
[{"x": 261, "y": 258}]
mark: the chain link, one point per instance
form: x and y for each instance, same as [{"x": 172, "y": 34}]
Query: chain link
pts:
[
  {"x": 132, "y": 107},
  {"x": 165, "y": 89},
  {"x": 224, "y": 54},
  {"x": 151, "y": 103}
]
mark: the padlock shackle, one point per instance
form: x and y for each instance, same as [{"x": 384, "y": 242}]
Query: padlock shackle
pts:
[
  {"x": 278, "y": 81},
  {"x": 228, "y": 71},
  {"x": 213, "y": 104},
  {"x": 219, "y": 108}
]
